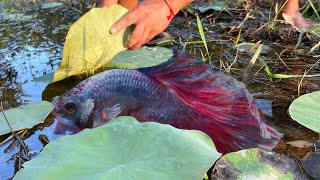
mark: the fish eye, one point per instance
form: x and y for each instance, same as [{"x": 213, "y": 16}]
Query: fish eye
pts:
[{"x": 70, "y": 107}]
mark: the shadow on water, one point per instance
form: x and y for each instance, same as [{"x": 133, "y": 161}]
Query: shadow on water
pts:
[{"x": 33, "y": 48}]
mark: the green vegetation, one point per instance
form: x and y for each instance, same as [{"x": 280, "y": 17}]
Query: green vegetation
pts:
[
  {"x": 25, "y": 117},
  {"x": 142, "y": 57},
  {"x": 305, "y": 110},
  {"x": 125, "y": 149},
  {"x": 89, "y": 45}
]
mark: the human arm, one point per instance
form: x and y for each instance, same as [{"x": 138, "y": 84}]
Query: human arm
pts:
[
  {"x": 150, "y": 17},
  {"x": 129, "y": 4}
]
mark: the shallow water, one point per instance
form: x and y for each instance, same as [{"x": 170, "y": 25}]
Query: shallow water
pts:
[{"x": 33, "y": 48}]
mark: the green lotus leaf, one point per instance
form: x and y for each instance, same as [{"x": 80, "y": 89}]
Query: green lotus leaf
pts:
[
  {"x": 89, "y": 45},
  {"x": 15, "y": 17},
  {"x": 25, "y": 117},
  {"x": 256, "y": 164},
  {"x": 125, "y": 149},
  {"x": 305, "y": 110},
  {"x": 217, "y": 6},
  {"x": 252, "y": 47},
  {"x": 50, "y": 5},
  {"x": 142, "y": 57}
]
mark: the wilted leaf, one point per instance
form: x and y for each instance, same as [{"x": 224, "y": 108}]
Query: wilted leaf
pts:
[
  {"x": 89, "y": 45},
  {"x": 305, "y": 110},
  {"x": 299, "y": 143},
  {"x": 288, "y": 19},
  {"x": 142, "y": 57},
  {"x": 25, "y": 116},
  {"x": 125, "y": 149}
]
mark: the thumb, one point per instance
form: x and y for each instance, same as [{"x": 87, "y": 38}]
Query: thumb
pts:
[{"x": 127, "y": 20}]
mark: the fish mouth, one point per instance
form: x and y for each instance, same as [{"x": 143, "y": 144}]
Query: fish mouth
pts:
[{"x": 65, "y": 125}]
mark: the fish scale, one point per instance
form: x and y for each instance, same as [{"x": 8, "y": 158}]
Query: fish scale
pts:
[{"x": 129, "y": 89}]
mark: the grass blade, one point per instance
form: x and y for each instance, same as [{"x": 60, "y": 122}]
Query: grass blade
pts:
[
  {"x": 283, "y": 76},
  {"x": 314, "y": 9},
  {"x": 203, "y": 37},
  {"x": 253, "y": 60}
]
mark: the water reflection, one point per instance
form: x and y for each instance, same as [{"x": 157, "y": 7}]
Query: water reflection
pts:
[
  {"x": 7, "y": 165},
  {"x": 31, "y": 49}
]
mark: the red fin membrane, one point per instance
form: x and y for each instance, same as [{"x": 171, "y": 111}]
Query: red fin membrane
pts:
[{"x": 219, "y": 105}]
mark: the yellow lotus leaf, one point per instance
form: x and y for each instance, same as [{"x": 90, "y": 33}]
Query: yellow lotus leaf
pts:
[{"x": 89, "y": 45}]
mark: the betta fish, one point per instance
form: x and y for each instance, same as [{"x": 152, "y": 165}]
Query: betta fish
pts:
[{"x": 183, "y": 93}]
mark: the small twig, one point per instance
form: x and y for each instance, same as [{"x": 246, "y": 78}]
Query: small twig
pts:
[
  {"x": 279, "y": 56},
  {"x": 5, "y": 117},
  {"x": 23, "y": 145},
  {"x": 234, "y": 61},
  {"x": 304, "y": 74}
]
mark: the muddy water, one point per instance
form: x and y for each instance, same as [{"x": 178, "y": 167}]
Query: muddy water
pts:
[{"x": 33, "y": 48}]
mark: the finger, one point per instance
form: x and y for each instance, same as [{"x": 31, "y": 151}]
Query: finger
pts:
[
  {"x": 127, "y": 20},
  {"x": 151, "y": 36},
  {"x": 138, "y": 44},
  {"x": 143, "y": 40},
  {"x": 136, "y": 35}
]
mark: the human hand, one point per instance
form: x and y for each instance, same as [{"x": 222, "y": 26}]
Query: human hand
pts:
[
  {"x": 129, "y": 4},
  {"x": 150, "y": 17}
]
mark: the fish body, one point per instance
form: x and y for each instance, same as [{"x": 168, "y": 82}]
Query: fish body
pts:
[{"x": 183, "y": 94}]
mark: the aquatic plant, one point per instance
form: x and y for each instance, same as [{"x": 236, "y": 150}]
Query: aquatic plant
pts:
[{"x": 125, "y": 149}]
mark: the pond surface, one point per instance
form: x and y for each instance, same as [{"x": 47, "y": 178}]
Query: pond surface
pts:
[{"x": 34, "y": 48}]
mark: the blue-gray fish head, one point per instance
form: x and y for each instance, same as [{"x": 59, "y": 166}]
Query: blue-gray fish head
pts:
[{"x": 73, "y": 112}]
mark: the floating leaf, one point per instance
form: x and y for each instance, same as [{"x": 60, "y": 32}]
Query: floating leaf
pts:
[
  {"x": 256, "y": 164},
  {"x": 125, "y": 149},
  {"x": 305, "y": 110},
  {"x": 15, "y": 17},
  {"x": 251, "y": 48},
  {"x": 217, "y": 6},
  {"x": 50, "y": 5},
  {"x": 47, "y": 78},
  {"x": 142, "y": 57},
  {"x": 25, "y": 116},
  {"x": 89, "y": 45}
]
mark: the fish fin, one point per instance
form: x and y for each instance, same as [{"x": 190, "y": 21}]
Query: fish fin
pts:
[
  {"x": 219, "y": 104},
  {"x": 108, "y": 114},
  {"x": 88, "y": 105}
]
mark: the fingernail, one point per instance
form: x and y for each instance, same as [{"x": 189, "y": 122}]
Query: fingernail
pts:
[{"x": 113, "y": 30}]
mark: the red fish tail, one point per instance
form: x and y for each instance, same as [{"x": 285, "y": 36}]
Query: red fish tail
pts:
[{"x": 219, "y": 105}]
